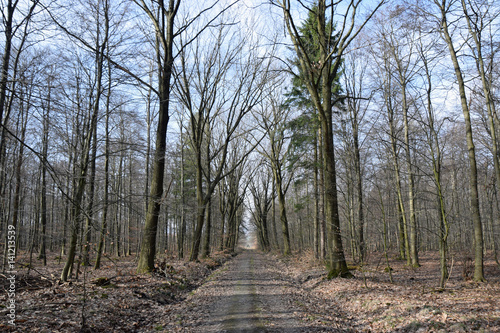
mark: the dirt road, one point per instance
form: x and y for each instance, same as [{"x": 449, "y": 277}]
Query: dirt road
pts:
[{"x": 247, "y": 295}]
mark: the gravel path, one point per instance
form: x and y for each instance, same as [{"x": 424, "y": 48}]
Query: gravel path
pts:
[
  {"x": 238, "y": 309},
  {"x": 253, "y": 292},
  {"x": 248, "y": 294}
]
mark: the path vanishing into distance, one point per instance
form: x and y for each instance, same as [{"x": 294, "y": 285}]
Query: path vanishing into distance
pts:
[
  {"x": 246, "y": 297},
  {"x": 248, "y": 294}
]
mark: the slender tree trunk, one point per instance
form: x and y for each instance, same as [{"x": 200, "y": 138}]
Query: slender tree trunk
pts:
[
  {"x": 18, "y": 168},
  {"x": 349, "y": 202},
  {"x": 404, "y": 239},
  {"x": 119, "y": 208},
  {"x": 413, "y": 254},
  {"x": 43, "y": 193},
  {"x": 129, "y": 210},
  {"x": 317, "y": 228},
  {"x": 182, "y": 233},
  {"x": 384, "y": 222},
  {"x": 283, "y": 217},
  {"x": 88, "y": 220},
  {"x": 148, "y": 147},
  {"x": 105, "y": 208},
  {"x": 264, "y": 213},
  {"x": 66, "y": 208},
  {"x": 4, "y": 75},
  {"x": 493, "y": 228},
  {"x": 436, "y": 166},
  {"x": 359, "y": 188},
  {"x": 273, "y": 218},
  {"x": 474, "y": 194},
  {"x": 231, "y": 223},
  {"x": 104, "y": 224},
  {"x": 208, "y": 229},
  {"x": 401, "y": 208},
  {"x": 486, "y": 80}
]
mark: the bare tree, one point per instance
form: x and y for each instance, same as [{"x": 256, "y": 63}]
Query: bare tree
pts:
[
  {"x": 162, "y": 16},
  {"x": 445, "y": 7},
  {"x": 216, "y": 108},
  {"x": 428, "y": 54},
  {"x": 400, "y": 40},
  {"x": 260, "y": 189},
  {"x": 77, "y": 200},
  {"x": 480, "y": 17},
  {"x": 357, "y": 104},
  {"x": 277, "y": 149}
]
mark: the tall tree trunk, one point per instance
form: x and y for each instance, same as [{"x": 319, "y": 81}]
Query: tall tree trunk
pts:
[
  {"x": 338, "y": 265},
  {"x": 433, "y": 139},
  {"x": 487, "y": 82},
  {"x": 403, "y": 225},
  {"x": 320, "y": 87},
  {"x": 129, "y": 210},
  {"x": 401, "y": 207},
  {"x": 165, "y": 29},
  {"x": 119, "y": 208},
  {"x": 208, "y": 229},
  {"x": 105, "y": 208},
  {"x": 413, "y": 254},
  {"x": 474, "y": 194},
  {"x": 43, "y": 193},
  {"x": 105, "y": 203},
  {"x": 359, "y": 188},
  {"x": 88, "y": 220},
  {"x": 182, "y": 232}
]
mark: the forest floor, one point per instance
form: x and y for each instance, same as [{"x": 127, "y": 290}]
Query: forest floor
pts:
[{"x": 253, "y": 292}]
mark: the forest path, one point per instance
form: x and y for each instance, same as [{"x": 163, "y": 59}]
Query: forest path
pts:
[{"x": 247, "y": 295}]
